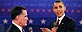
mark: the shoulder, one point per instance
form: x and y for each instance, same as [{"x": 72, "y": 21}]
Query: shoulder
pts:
[
  {"x": 69, "y": 21},
  {"x": 12, "y": 28}
]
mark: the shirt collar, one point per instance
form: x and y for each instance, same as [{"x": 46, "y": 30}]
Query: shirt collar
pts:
[
  {"x": 20, "y": 28},
  {"x": 61, "y": 17}
]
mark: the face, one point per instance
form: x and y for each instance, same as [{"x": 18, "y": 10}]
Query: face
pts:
[
  {"x": 23, "y": 18},
  {"x": 58, "y": 9}
]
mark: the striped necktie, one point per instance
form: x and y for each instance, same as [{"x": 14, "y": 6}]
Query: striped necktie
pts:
[{"x": 57, "y": 23}]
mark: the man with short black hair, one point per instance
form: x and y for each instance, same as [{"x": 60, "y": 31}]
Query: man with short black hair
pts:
[{"x": 62, "y": 23}]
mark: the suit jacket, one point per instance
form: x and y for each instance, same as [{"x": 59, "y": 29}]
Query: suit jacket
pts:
[
  {"x": 66, "y": 25},
  {"x": 13, "y": 28}
]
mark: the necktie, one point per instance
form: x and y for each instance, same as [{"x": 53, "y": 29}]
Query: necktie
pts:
[
  {"x": 57, "y": 23},
  {"x": 23, "y": 30}
]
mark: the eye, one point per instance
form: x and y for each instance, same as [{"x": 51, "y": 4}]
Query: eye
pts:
[
  {"x": 55, "y": 7},
  {"x": 60, "y": 6},
  {"x": 26, "y": 16}
]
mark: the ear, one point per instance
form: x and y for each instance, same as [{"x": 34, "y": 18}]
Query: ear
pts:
[
  {"x": 17, "y": 17},
  {"x": 64, "y": 8}
]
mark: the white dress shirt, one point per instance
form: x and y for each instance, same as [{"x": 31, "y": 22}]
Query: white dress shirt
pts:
[
  {"x": 60, "y": 18},
  {"x": 20, "y": 28}
]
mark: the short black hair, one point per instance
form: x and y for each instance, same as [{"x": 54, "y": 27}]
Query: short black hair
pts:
[
  {"x": 17, "y": 10},
  {"x": 58, "y": 1}
]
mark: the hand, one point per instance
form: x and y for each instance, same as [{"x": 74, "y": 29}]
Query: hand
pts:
[
  {"x": 54, "y": 29},
  {"x": 45, "y": 30}
]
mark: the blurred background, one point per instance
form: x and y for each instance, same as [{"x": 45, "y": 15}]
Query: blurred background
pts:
[{"x": 39, "y": 12}]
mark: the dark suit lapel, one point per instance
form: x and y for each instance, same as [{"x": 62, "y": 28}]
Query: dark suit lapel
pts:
[
  {"x": 63, "y": 20},
  {"x": 61, "y": 27}
]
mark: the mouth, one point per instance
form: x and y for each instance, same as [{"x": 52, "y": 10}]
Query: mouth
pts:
[
  {"x": 25, "y": 22},
  {"x": 59, "y": 12}
]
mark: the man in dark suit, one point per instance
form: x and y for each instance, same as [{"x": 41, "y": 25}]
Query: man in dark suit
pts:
[
  {"x": 62, "y": 23},
  {"x": 66, "y": 25},
  {"x": 19, "y": 19}
]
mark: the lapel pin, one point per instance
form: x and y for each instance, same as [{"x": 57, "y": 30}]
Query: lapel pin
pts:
[{"x": 62, "y": 23}]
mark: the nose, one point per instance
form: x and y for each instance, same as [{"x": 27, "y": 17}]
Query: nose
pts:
[
  {"x": 26, "y": 18},
  {"x": 58, "y": 9}
]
